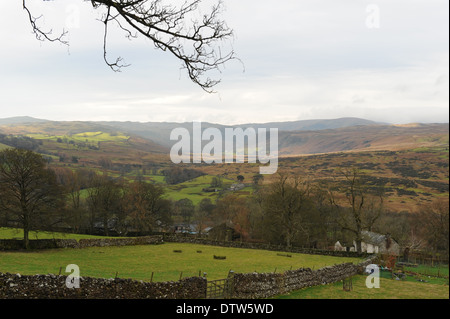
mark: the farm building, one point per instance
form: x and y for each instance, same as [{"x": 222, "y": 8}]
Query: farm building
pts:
[
  {"x": 185, "y": 229},
  {"x": 223, "y": 232},
  {"x": 372, "y": 243}
]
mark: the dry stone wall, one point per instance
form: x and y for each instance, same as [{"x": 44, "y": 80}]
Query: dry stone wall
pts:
[
  {"x": 14, "y": 244},
  {"x": 16, "y": 286},
  {"x": 265, "y": 285}
]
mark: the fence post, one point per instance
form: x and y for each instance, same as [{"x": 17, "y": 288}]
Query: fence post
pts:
[{"x": 229, "y": 285}]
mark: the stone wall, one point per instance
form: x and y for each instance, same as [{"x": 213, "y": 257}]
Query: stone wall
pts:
[
  {"x": 265, "y": 285},
  {"x": 14, "y": 244},
  {"x": 17, "y": 244},
  {"x": 102, "y": 242},
  {"x": 54, "y": 287},
  {"x": 238, "y": 244},
  {"x": 245, "y": 286}
]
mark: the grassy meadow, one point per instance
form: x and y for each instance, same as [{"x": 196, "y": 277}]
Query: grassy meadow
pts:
[
  {"x": 170, "y": 261},
  {"x": 389, "y": 289},
  {"x": 138, "y": 262},
  {"x": 193, "y": 189}
]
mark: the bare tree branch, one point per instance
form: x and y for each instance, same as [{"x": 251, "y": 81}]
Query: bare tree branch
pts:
[
  {"x": 39, "y": 33},
  {"x": 195, "y": 41}
]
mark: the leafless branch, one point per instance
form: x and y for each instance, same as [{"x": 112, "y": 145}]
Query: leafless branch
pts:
[
  {"x": 195, "y": 41},
  {"x": 39, "y": 33}
]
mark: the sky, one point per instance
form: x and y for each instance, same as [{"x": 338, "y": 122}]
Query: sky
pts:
[{"x": 381, "y": 60}]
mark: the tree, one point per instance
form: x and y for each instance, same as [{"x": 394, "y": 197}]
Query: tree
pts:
[
  {"x": 365, "y": 208},
  {"x": 146, "y": 207},
  {"x": 176, "y": 175},
  {"x": 216, "y": 182},
  {"x": 105, "y": 163},
  {"x": 72, "y": 182},
  {"x": 176, "y": 29},
  {"x": 407, "y": 228},
  {"x": 105, "y": 201},
  {"x": 257, "y": 179},
  {"x": 284, "y": 206},
  {"x": 186, "y": 208},
  {"x": 29, "y": 193},
  {"x": 435, "y": 223},
  {"x": 203, "y": 213}
]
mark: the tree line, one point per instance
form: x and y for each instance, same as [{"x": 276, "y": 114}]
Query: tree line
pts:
[{"x": 289, "y": 211}]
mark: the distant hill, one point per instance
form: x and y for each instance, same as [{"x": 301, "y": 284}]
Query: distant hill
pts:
[
  {"x": 159, "y": 132},
  {"x": 364, "y": 138},
  {"x": 86, "y": 143},
  {"x": 295, "y": 137},
  {"x": 20, "y": 120},
  {"x": 410, "y": 160},
  {"x": 315, "y": 125}
]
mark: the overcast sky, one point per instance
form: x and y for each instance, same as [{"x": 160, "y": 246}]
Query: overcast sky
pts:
[{"x": 383, "y": 60}]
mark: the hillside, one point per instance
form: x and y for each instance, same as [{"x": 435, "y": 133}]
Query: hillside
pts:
[
  {"x": 160, "y": 131},
  {"x": 295, "y": 138},
  {"x": 409, "y": 161},
  {"x": 20, "y": 120},
  {"x": 364, "y": 138},
  {"x": 316, "y": 136},
  {"x": 86, "y": 144}
]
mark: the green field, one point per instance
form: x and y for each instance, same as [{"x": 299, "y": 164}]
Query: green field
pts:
[
  {"x": 389, "y": 289},
  {"x": 193, "y": 189},
  {"x": 87, "y": 137},
  {"x": 17, "y": 233},
  {"x": 438, "y": 271},
  {"x": 138, "y": 262}
]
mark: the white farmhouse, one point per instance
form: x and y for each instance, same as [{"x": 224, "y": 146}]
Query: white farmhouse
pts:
[{"x": 372, "y": 243}]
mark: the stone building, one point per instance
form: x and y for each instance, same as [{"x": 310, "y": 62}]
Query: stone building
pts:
[{"x": 372, "y": 243}]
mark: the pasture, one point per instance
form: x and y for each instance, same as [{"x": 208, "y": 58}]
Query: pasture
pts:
[
  {"x": 172, "y": 261},
  {"x": 389, "y": 289},
  {"x": 17, "y": 233},
  {"x": 165, "y": 261},
  {"x": 193, "y": 189}
]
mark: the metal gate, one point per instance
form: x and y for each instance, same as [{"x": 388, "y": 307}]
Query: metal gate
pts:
[
  {"x": 220, "y": 288},
  {"x": 216, "y": 289}
]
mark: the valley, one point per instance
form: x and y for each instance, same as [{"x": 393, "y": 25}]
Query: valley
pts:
[{"x": 409, "y": 162}]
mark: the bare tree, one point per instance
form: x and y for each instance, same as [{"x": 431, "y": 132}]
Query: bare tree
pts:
[
  {"x": 435, "y": 224},
  {"x": 195, "y": 41},
  {"x": 365, "y": 208},
  {"x": 285, "y": 203},
  {"x": 29, "y": 193},
  {"x": 146, "y": 207},
  {"x": 104, "y": 200},
  {"x": 203, "y": 212}
]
